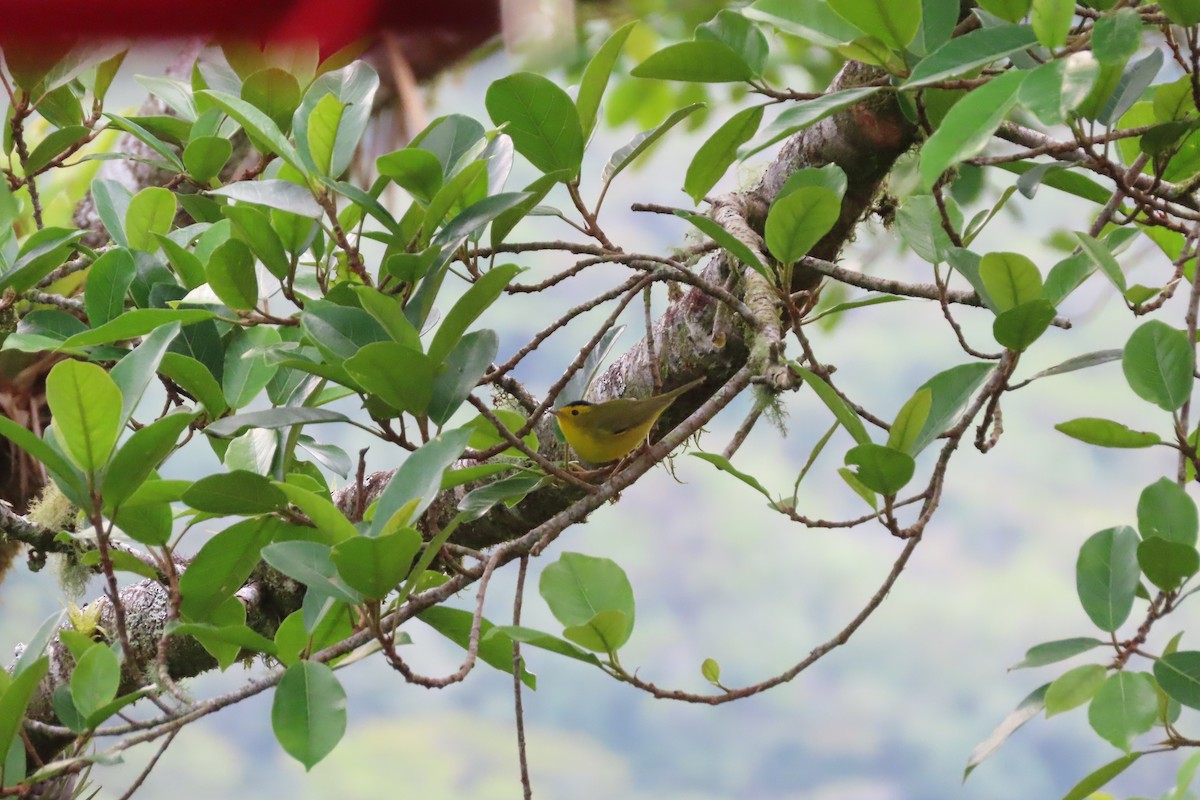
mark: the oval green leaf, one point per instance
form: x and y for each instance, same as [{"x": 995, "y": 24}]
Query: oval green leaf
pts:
[{"x": 1106, "y": 576}]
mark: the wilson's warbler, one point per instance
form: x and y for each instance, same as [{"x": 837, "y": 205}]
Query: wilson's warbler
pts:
[{"x": 603, "y": 432}]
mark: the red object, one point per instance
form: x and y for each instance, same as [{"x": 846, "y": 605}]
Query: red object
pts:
[{"x": 332, "y": 23}]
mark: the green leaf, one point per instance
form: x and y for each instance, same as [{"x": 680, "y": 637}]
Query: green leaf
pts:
[
  {"x": 375, "y": 566},
  {"x": 39, "y": 254},
  {"x": 1158, "y": 363},
  {"x": 920, "y": 228},
  {"x": 1117, "y": 37},
  {"x": 1124, "y": 707},
  {"x": 1165, "y": 510},
  {"x": 951, "y": 390},
  {"x": 36, "y": 645},
  {"x": 236, "y": 636},
  {"x": 195, "y": 379},
  {"x": 812, "y": 20},
  {"x": 253, "y": 226},
  {"x": 893, "y": 22},
  {"x": 1059, "y": 650},
  {"x": 15, "y": 699},
  {"x": 577, "y": 588},
  {"x": 320, "y": 509},
  {"x": 262, "y": 130},
  {"x": 49, "y": 148},
  {"x": 735, "y": 247},
  {"x": 291, "y": 639},
  {"x": 134, "y": 323},
  {"x": 1051, "y": 20},
  {"x": 419, "y": 477},
  {"x": 910, "y": 422},
  {"x": 742, "y": 36},
  {"x": 275, "y": 92},
  {"x": 460, "y": 373},
  {"x": 541, "y": 119},
  {"x": 310, "y": 563},
  {"x": 121, "y": 562},
  {"x": 141, "y": 454},
  {"x": 247, "y": 369},
  {"x": 1011, "y": 279},
  {"x": 237, "y": 492},
  {"x": 86, "y": 406},
  {"x": 1007, "y": 10},
  {"x": 964, "y": 54},
  {"x": 1078, "y": 362},
  {"x": 389, "y": 312},
  {"x": 938, "y": 19},
  {"x": 486, "y": 435},
  {"x": 1026, "y": 710},
  {"x": 545, "y": 641},
  {"x": 510, "y": 491},
  {"x": 1019, "y": 327},
  {"x": 1181, "y": 12},
  {"x": 416, "y": 171},
  {"x": 1167, "y": 564},
  {"x": 1134, "y": 81},
  {"x": 107, "y": 284},
  {"x": 308, "y": 714},
  {"x": 183, "y": 261},
  {"x": 595, "y": 78},
  {"x": 719, "y": 151},
  {"x": 322, "y": 130},
  {"x": 63, "y": 471},
  {"x": 711, "y": 671},
  {"x": 1102, "y": 258},
  {"x": 1106, "y": 433},
  {"x": 1087, "y": 787},
  {"x": 450, "y": 138},
  {"x": 722, "y": 463},
  {"x": 204, "y": 157},
  {"x": 339, "y": 331},
  {"x": 603, "y": 633},
  {"x": 703, "y": 61},
  {"x": 844, "y": 414},
  {"x": 485, "y": 291},
  {"x": 95, "y": 680},
  {"x": 1179, "y": 676},
  {"x": 147, "y": 138},
  {"x": 797, "y": 221},
  {"x": 145, "y": 522},
  {"x": 1106, "y": 576},
  {"x": 354, "y": 86},
  {"x": 969, "y": 125},
  {"x": 398, "y": 375},
  {"x": 494, "y": 649},
  {"x": 175, "y": 94},
  {"x": 231, "y": 275},
  {"x": 458, "y": 192},
  {"x": 1055, "y": 89},
  {"x": 881, "y": 469},
  {"x": 277, "y": 194},
  {"x": 639, "y": 144},
  {"x": 1074, "y": 688},
  {"x": 223, "y": 565},
  {"x": 801, "y": 115}
]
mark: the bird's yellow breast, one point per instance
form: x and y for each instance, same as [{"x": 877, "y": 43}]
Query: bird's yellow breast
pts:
[{"x": 594, "y": 443}]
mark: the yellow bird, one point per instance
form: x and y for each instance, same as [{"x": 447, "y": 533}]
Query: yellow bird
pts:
[{"x": 603, "y": 432}]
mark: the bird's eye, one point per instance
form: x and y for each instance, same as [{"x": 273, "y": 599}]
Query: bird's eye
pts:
[{"x": 574, "y": 412}]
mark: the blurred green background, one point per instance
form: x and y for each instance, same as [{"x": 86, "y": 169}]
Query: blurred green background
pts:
[{"x": 893, "y": 715}]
